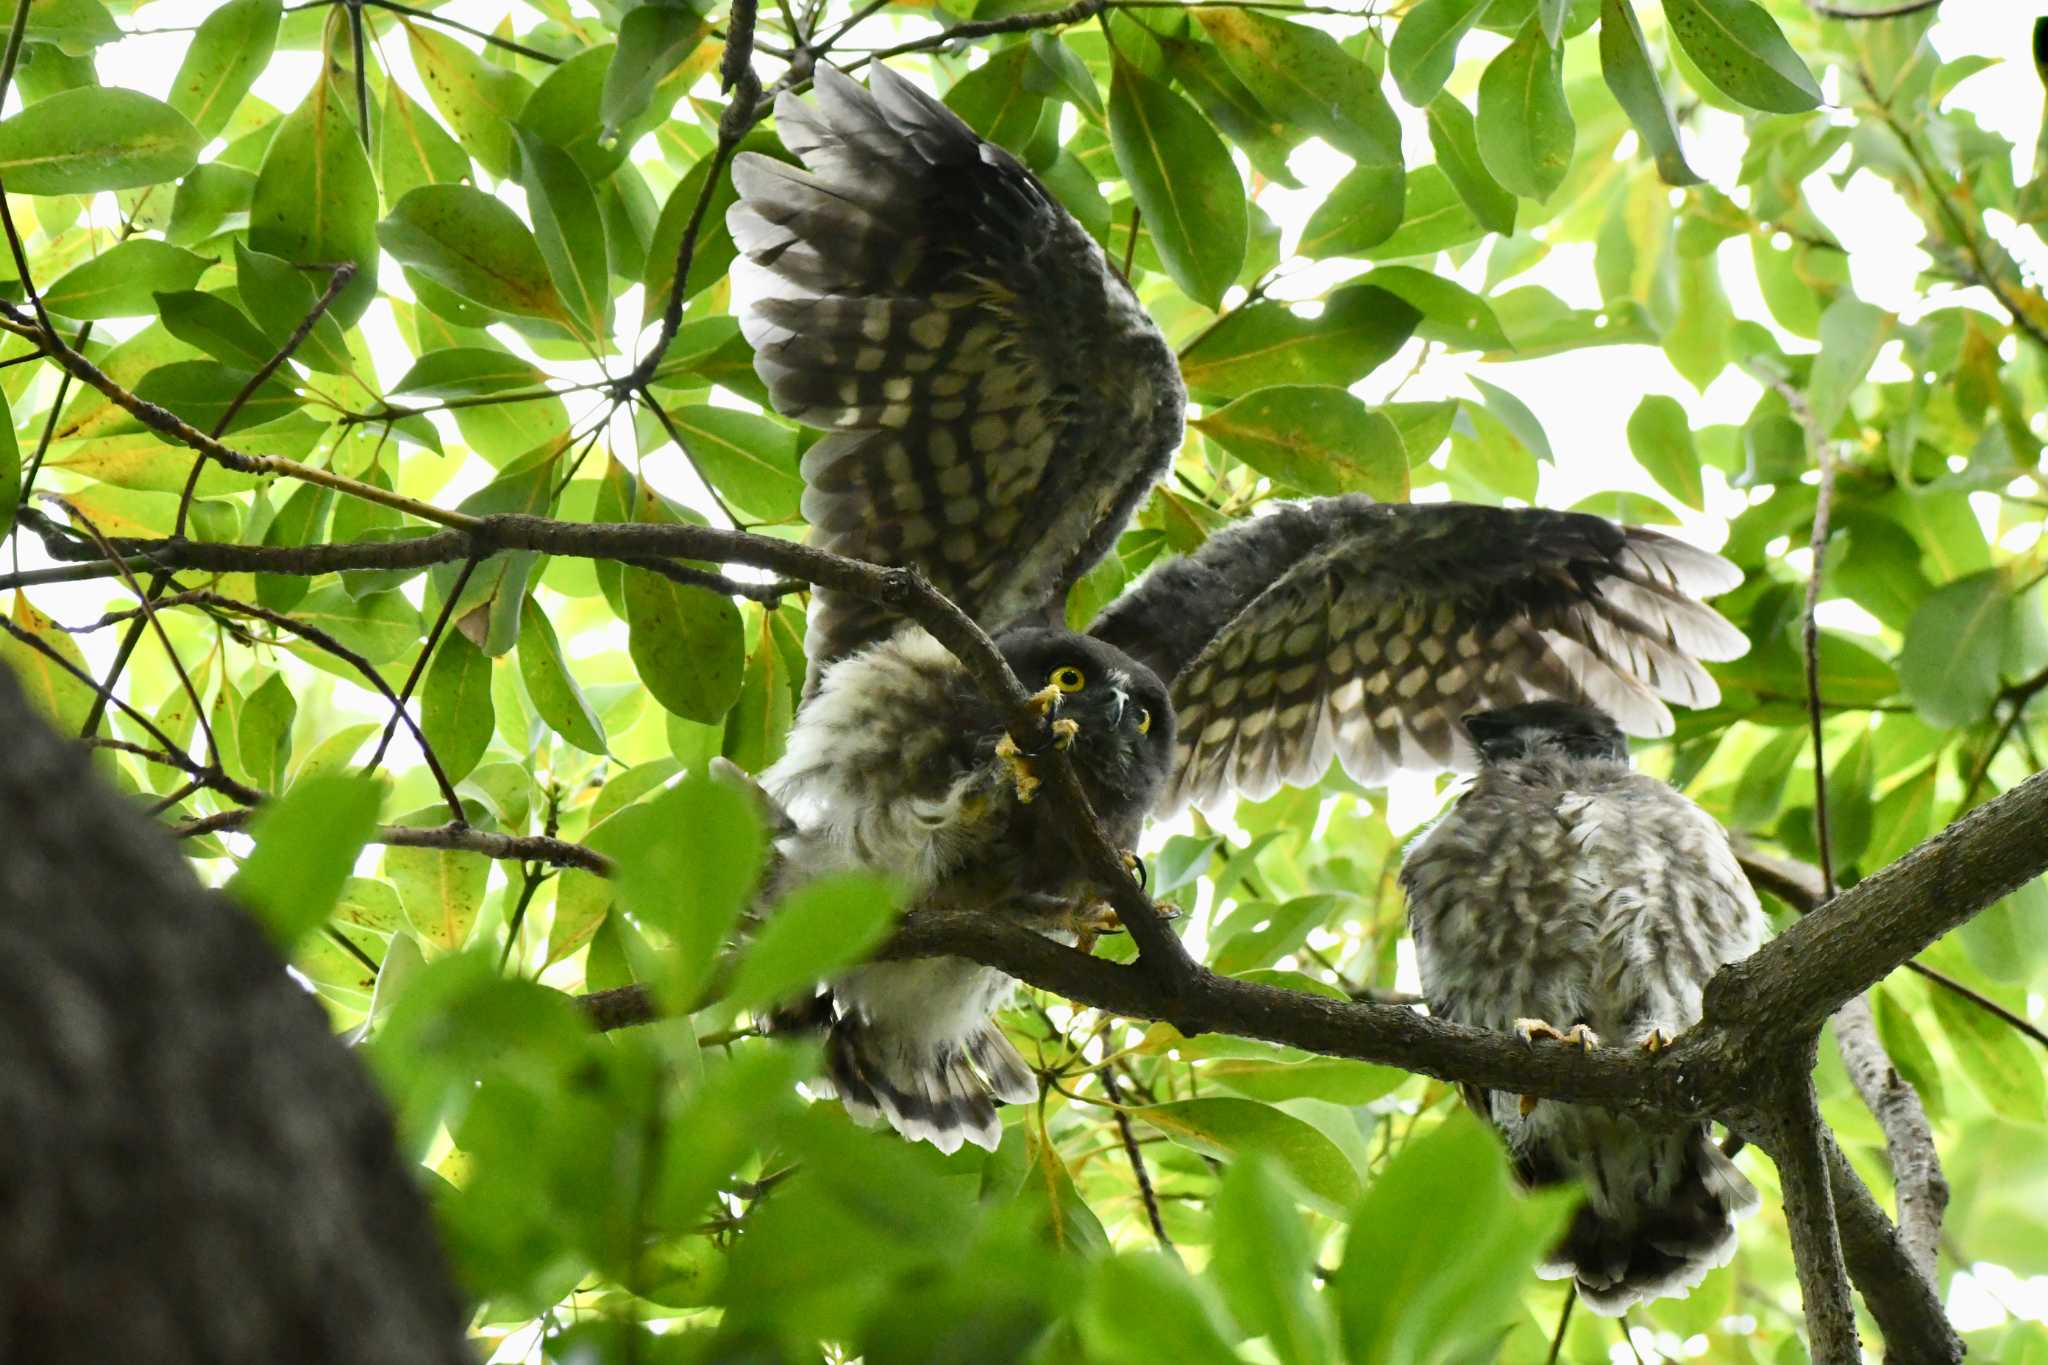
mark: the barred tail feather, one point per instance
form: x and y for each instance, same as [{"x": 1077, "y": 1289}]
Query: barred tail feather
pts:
[
  {"x": 1655, "y": 1227},
  {"x": 913, "y": 1043}
]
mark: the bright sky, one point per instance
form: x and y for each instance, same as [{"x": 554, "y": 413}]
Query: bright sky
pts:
[{"x": 1583, "y": 399}]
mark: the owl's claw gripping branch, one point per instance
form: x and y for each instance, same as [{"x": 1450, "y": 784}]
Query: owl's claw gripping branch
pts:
[
  {"x": 1578, "y": 1036},
  {"x": 1046, "y": 700},
  {"x": 1017, "y": 766},
  {"x": 1655, "y": 1041},
  {"x": 1063, "y": 732}
]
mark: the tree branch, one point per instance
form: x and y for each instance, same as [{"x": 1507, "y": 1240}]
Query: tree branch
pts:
[{"x": 1797, "y": 1141}]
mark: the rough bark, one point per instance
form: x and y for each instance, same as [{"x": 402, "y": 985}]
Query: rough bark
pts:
[{"x": 195, "y": 1170}]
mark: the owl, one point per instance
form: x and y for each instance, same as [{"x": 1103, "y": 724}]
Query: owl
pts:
[
  {"x": 1569, "y": 899},
  {"x": 996, "y": 404}
]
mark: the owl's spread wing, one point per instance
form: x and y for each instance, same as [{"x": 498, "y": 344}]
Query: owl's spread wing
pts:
[
  {"x": 1347, "y": 628},
  {"x": 996, "y": 398}
]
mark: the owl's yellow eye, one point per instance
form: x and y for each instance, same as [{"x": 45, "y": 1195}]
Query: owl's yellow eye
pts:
[
  {"x": 1067, "y": 679},
  {"x": 1144, "y": 721}
]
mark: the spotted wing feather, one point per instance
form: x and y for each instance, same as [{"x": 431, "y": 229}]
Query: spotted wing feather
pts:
[
  {"x": 996, "y": 398},
  {"x": 1345, "y": 628}
]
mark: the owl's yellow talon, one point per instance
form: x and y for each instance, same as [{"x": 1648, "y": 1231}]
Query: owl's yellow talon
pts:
[
  {"x": 1528, "y": 1105},
  {"x": 1656, "y": 1041},
  {"x": 1063, "y": 732},
  {"x": 1046, "y": 700},
  {"x": 1021, "y": 774},
  {"x": 1579, "y": 1036}
]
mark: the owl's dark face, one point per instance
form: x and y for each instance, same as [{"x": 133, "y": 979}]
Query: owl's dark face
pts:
[
  {"x": 1125, "y": 745},
  {"x": 1541, "y": 729}
]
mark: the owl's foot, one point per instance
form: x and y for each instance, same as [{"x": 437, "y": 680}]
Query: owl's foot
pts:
[
  {"x": 1136, "y": 867},
  {"x": 1046, "y": 700},
  {"x": 1529, "y": 1030},
  {"x": 1063, "y": 732},
  {"x": 1579, "y": 1036},
  {"x": 1656, "y": 1040},
  {"x": 1017, "y": 768}
]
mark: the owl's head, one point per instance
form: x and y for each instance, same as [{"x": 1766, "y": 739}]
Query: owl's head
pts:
[
  {"x": 1540, "y": 729},
  {"x": 1126, "y": 736}
]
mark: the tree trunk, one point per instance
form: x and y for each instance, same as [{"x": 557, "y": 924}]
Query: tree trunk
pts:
[{"x": 192, "y": 1168}]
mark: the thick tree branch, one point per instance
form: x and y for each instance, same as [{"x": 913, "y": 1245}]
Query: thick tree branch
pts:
[
  {"x": 1794, "y": 982},
  {"x": 1922, "y": 1189},
  {"x": 1797, "y": 1141}
]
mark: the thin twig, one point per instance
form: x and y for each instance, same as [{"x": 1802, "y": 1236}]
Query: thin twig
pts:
[
  {"x": 1137, "y": 1159},
  {"x": 482, "y": 35},
  {"x": 149, "y": 616},
  {"x": 1827, "y": 11},
  {"x": 419, "y": 666}
]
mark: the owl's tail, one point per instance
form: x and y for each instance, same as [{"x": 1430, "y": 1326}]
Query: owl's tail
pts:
[
  {"x": 914, "y": 1043},
  {"x": 1660, "y": 1213}
]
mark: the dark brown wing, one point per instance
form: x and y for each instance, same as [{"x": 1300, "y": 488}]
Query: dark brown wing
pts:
[
  {"x": 998, "y": 401},
  {"x": 1346, "y": 628}
]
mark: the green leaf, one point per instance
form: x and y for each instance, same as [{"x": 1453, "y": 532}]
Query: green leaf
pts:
[
  {"x": 1660, "y": 437},
  {"x": 280, "y": 298},
  {"x": 216, "y": 327},
  {"x": 122, "y": 281},
  {"x": 1184, "y": 182},
  {"x": 479, "y": 99},
  {"x": 382, "y": 626},
  {"x": 551, "y": 686},
  {"x": 1738, "y": 47},
  {"x": 413, "y": 149},
  {"x": 1316, "y": 438},
  {"x": 1268, "y": 343},
  {"x": 316, "y": 198},
  {"x": 816, "y": 930},
  {"x": 750, "y": 459},
  {"x": 1455, "y": 140},
  {"x": 264, "y": 732},
  {"x": 1997, "y": 1060},
  {"x": 1451, "y": 313},
  {"x": 1907, "y": 1047},
  {"x": 1515, "y": 415},
  {"x": 298, "y": 522},
  {"x": 91, "y": 139},
  {"x": 1425, "y": 46},
  {"x": 211, "y": 199},
  {"x": 467, "y": 372},
  {"x": 456, "y": 712},
  {"x": 1851, "y": 778},
  {"x": 1181, "y": 1322},
  {"x": 715, "y": 250},
  {"x": 1852, "y": 332},
  {"x": 1949, "y": 662},
  {"x": 442, "y": 891},
  {"x": 473, "y": 245},
  {"x": 1433, "y": 218},
  {"x": 996, "y": 100},
  {"x": 60, "y": 694},
  {"x": 305, "y": 847},
  {"x": 1525, "y": 127},
  {"x": 1264, "y": 1260},
  {"x": 569, "y": 229},
  {"x": 227, "y": 54},
  {"x": 1632, "y": 77},
  {"x": 202, "y": 391},
  {"x": 653, "y": 41},
  {"x": 1301, "y": 74},
  {"x": 757, "y": 727},
  {"x": 10, "y": 469},
  {"x": 1226, "y": 1129},
  {"x": 1336, "y": 1079},
  {"x": 1426, "y": 1277},
  {"x": 71, "y": 26},
  {"x": 687, "y": 860}
]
